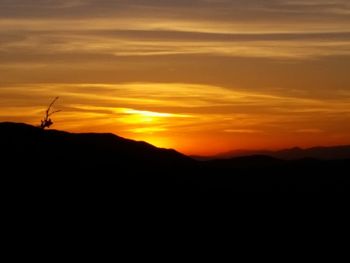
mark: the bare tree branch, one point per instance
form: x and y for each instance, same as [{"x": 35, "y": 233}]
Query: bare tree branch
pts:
[{"x": 47, "y": 122}]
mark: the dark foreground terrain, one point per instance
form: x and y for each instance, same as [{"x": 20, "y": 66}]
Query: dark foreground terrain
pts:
[{"x": 59, "y": 163}]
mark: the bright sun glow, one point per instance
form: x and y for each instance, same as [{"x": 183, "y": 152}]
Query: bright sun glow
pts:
[
  {"x": 203, "y": 76},
  {"x": 132, "y": 116},
  {"x": 142, "y": 117},
  {"x": 147, "y": 113}
]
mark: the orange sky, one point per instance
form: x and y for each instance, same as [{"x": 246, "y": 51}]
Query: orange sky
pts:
[{"x": 200, "y": 76}]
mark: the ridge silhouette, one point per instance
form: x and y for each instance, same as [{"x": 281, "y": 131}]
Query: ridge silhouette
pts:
[
  {"x": 37, "y": 160},
  {"x": 326, "y": 153}
]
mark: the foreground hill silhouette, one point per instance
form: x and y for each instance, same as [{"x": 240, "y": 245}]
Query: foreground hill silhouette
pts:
[{"x": 36, "y": 160}]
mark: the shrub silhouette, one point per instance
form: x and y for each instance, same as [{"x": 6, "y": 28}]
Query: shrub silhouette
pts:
[{"x": 47, "y": 122}]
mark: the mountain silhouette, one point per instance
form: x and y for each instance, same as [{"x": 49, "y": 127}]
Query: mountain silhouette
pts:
[
  {"x": 325, "y": 153},
  {"x": 51, "y": 160},
  {"x": 22, "y": 141},
  {"x": 57, "y": 163}
]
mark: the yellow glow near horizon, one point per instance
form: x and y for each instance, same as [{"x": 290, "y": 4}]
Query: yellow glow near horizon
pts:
[
  {"x": 150, "y": 118},
  {"x": 196, "y": 119},
  {"x": 199, "y": 76},
  {"x": 147, "y": 113}
]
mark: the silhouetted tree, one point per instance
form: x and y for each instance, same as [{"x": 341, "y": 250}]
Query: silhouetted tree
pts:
[{"x": 47, "y": 122}]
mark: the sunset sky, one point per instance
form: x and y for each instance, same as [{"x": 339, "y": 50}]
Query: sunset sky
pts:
[{"x": 200, "y": 76}]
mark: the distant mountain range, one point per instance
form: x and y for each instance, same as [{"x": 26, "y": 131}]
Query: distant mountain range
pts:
[
  {"x": 62, "y": 164},
  {"x": 323, "y": 153}
]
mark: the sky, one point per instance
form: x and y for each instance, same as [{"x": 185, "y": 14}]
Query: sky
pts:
[{"x": 200, "y": 76}]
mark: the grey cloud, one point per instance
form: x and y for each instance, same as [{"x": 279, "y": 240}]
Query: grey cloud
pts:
[
  {"x": 164, "y": 35},
  {"x": 284, "y": 10},
  {"x": 73, "y": 52},
  {"x": 88, "y": 43},
  {"x": 202, "y": 36}
]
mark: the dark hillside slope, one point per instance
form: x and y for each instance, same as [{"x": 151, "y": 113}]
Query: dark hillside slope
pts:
[
  {"x": 35, "y": 161},
  {"x": 25, "y": 141},
  {"x": 39, "y": 157}
]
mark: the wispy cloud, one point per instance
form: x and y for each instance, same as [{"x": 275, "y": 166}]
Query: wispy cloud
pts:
[
  {"x": 172, "y": 107},
  {"x": 191, "y": 69},
  {"x": 160, "y": 43},
  {"x": 290, "y": 29}
]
